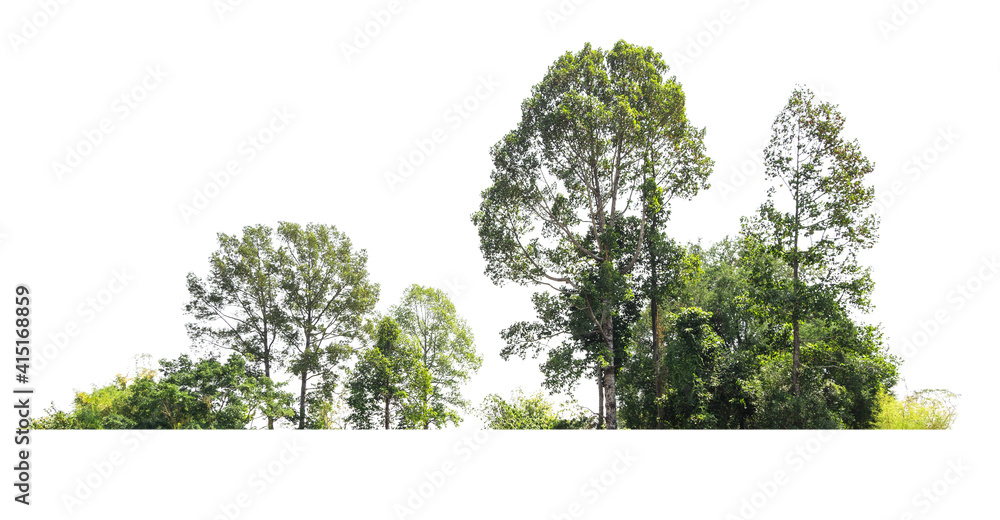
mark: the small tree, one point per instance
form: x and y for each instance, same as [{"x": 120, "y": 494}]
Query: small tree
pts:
[
  {"x": 447, "y": 355},
  {"x": 383, "y": 378}
]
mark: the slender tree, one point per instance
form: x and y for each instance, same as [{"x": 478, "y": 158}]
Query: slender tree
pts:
[{"x": 816, "y": 219}]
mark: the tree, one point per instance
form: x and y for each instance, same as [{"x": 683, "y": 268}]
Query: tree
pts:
[
  {"x": 237, "y": 306},
  {"x": 567, "y": 180},
  {"x": 327, "y": 294},
  {"x": 447, "y": 355},
  {"x": 383, "y": 378},
  {"x": 825, "y": 224}
]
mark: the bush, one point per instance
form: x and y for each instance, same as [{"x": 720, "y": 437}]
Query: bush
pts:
[{"x": 922, "y": 410}]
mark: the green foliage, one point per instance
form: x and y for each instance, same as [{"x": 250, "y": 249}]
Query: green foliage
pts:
[
  {"x": 923, "y": 410},
  {"x": 690, "y": 361},
  {"x": 204, "y": 394},
  {"x": 531, "y": 412},
  {"x": 382, "y": 380}
]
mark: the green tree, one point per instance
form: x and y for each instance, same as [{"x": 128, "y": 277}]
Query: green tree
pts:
[
  {"x": 820, "y": 221},
  {"x": 237, "y": 306},
  {"x": 383, "y": 378},
  {"x": 566, "y": 180},
  {"x": 327, "y": 294},
  {"x": 446, "y": 353}
]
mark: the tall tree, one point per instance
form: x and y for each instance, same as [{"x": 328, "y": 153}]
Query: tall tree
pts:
[
  {"x": 817, "y": 217},
  {"x": 446, "y": 350},
  {"x": 594, "y": 131},
  {"x": 237, "y": 306},
  {"x": 327, "y": 295}
]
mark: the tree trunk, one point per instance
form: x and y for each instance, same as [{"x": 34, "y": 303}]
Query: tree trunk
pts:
[
  {"x": 795, "y": 322},
  {"x": 610, "y": 410},
  {"x": 267, "y": 373},
  {"x": 386, "y": 412},
  {"x": 600, "y": 400},
  {"x": 657, "y": 357},
  {"x": 610, "y": 403},
  {"x": 795, "y": 355},
  {"x": 302, "y": 394},
  {"x": 302, "y": 402}
]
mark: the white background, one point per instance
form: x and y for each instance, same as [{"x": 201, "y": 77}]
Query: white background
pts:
[{"x": 902, "y": 78}]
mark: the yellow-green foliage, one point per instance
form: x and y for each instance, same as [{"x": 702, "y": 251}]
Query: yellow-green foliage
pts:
[{"x": 923, "y": 410}]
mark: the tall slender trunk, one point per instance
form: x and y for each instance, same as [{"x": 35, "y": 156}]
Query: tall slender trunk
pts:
[
  {"x": 796, "y": 293},
  {"x": 654, "y": 311},
  {"x": 600, "y": 400},
  {"x": 267, "y": 373},
  {"x": 302, "y": 402},
  {"x": 796, "y": 299},
  {"x": 795, "y": 356},
  {"x": 796, "y": 340},
  {"x": 387, "y": 411},
  {"x": 302, "y": 393},
  {"x": 657, "y": 359}
]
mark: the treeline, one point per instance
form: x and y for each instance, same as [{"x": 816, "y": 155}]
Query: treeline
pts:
[
  {"x": 289, "y": 309},
  {"x": 761, "y": 330}
]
